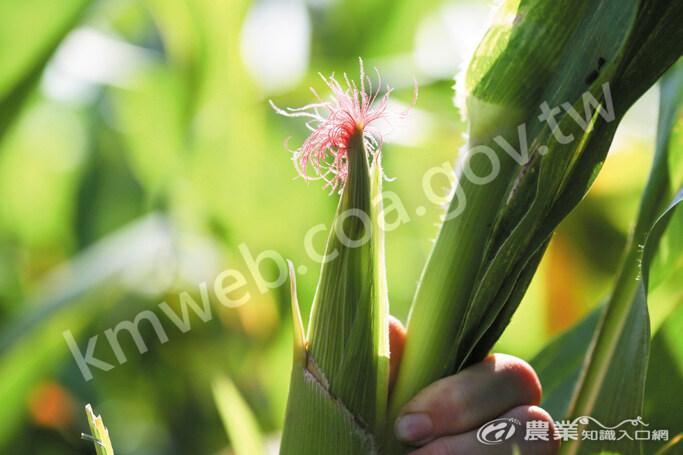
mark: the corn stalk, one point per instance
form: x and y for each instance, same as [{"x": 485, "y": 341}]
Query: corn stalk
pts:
[{"x": 582, "y": 63}]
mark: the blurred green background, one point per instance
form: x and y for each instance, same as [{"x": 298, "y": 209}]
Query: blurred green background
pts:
[{"x": 138, "y": 152}]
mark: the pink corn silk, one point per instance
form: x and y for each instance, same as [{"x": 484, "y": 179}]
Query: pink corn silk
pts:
[{"x": 349, "y": 111}]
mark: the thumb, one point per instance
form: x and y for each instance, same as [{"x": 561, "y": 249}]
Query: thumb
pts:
[{"x": 397, "y": 338}]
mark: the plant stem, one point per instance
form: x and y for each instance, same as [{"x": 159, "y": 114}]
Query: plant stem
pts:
[{"x": 440, "y": 305}]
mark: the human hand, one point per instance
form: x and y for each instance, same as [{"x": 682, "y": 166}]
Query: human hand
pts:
[{"x": 444, "y": 417}]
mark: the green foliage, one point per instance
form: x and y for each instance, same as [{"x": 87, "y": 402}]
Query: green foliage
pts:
[
  {"x": 561, "y": 361},
  {"x": 24, "y": 54}
]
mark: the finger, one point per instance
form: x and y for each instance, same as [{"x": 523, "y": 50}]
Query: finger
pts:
[
  {"x": 397, "y": 338},
  {"x": 469, "y": 442},
  {"x": 462, "y": 402}
]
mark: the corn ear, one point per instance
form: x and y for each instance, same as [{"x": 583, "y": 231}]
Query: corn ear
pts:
[{"x": 338, "y": 392}]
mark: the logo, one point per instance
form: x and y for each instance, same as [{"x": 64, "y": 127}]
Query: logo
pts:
[
  {"x": 497, "y": 431},
  {"x": 584, "y": 428}
]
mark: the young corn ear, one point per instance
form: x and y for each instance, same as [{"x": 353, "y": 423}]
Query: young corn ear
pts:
[{"x": 338, "y": 392}]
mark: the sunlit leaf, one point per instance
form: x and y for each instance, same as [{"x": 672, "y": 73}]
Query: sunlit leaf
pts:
[
  {"x": 612, "y": 385},
  {"x": 238, "y": 419}
]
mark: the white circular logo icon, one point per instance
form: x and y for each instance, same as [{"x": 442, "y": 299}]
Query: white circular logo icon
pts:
[{"x": 497, "y": 431}]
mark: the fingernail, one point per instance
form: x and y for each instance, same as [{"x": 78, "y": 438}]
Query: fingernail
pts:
[{"x": 413, "y": 427}]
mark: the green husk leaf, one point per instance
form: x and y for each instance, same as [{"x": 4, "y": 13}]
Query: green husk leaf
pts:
[
  {"x": 380, "y": 317},
  {"x": 340, "y": 376},
  {"x": 315, "y": 421}
]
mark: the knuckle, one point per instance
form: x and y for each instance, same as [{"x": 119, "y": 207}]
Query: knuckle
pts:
[
  {"x": 459, "y": 402},
  {"x": 442, "y": 446},
  {"x": 550, "y": 447},
  {"x": 522, "y": 377},
  {"x": 449, "y": 404}
]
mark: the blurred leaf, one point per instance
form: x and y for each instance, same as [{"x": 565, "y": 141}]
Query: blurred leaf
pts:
[
  {"x": 673, "y": 447},
  {"x": 346, "y": 29},
  {"x": 29, "y": 361},
  {"x": 238, "y": 420},
  {"x": 30, "y": 31},
  {"x": 400, "y": 22},
  {"x": 40, "y": 163},
  {"x": 669, "y": 255},
  {"x": 31, "y": 344},
  {"x": 214, "y": 137},
  {"x": 668, "y": 258},
  {"x": 156, "y": 159},
  {"x": 139, "y": 244}
]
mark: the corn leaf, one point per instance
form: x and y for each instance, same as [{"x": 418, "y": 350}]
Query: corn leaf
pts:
[
  {"x": 612, "y": 384},
  {"x": 560, "y": 362},
  {"x": 664, "y": 374}
]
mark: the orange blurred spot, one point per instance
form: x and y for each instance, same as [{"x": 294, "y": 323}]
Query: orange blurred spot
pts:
[
  {"x": 564, "y": 286},
  {"x": 51, "y": 406}
]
